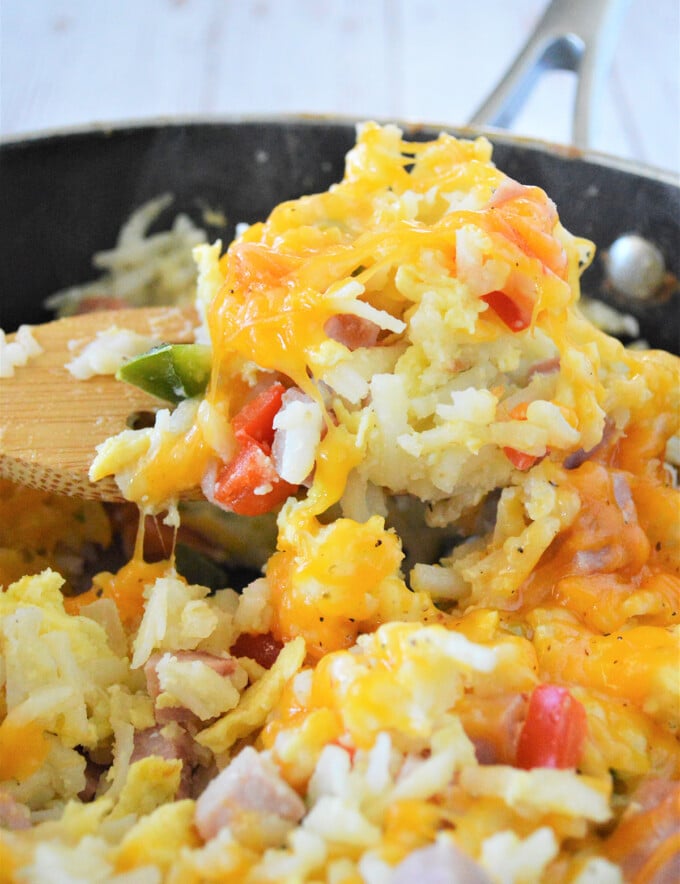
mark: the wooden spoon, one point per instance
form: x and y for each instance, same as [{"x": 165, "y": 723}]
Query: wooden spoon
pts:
[{"x": 51, "y": 422}]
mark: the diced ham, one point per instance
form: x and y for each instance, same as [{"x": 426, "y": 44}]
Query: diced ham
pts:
[
  {"x": 170, "y": 743},
  {"x": 548, "y": 366},
  {"x": 651, "y": 792},
  {"x": 496, "y": 731},
  {"x": 251, "y": 798},
  {"x": 613, "y": 556},
  {"x": 624, "y": 498},
  {"x": 221, "y": 665},
  {"x": 605, "y": 559},
  {"x": 352, "y": 331},
  {"x": 574, "y": 460},
  {"x": 156, "y": 741},
  {"x": 439, "y": 863},
  {"x": 178, "y": 714},
  {"x": 507, "y": 190},
  {"x": 646, "y": 843},
  {"x": 13, "y": 814}
]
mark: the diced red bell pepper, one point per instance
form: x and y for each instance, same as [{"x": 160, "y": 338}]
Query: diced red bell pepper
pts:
[
  {"x": 255, "y": 419},
  {"x": 520, "y": 459},
  {"x": 554, "y": 731},
  {"x": 516, "y": 315},
  {"x": 240, "y": 484},
  {"x": 352, "y": 331},
  {"x": 261, "y": 647}
]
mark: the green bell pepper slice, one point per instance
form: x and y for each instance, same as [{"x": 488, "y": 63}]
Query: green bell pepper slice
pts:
[{"x": 170, "y": 371}]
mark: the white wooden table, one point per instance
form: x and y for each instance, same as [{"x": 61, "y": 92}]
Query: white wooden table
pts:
[{"x": 67, "y": 62}]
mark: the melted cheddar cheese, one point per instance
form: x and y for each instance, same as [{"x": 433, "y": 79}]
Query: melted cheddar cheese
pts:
[{"x": 415, "y": 335}]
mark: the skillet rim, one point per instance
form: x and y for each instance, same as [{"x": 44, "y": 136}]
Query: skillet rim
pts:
[{"x": 495, "y": 135}]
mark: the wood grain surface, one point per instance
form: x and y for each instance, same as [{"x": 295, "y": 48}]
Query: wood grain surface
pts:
[{"x": 51, "y": 423}]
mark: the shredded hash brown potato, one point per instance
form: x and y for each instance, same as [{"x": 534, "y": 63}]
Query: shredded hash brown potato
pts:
[{"x": 457, "y": 658}]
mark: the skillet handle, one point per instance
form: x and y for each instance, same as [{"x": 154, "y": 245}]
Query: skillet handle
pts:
[{"x": 572, "y": 35}]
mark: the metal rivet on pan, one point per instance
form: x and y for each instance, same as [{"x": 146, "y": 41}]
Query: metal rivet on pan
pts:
[{"x": 635, "y": 266}]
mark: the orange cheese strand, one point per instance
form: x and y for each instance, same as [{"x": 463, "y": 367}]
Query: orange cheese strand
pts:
[
  {"x": 337, "y": 455},
  {"x": 23, "y": 748},
  {"x": 262, "y": 315},
  {"x": 341, "y": 555},
  {"x": 125, "y": 587},
  {"x": 644, "y": 443},
  {"x": 9, "y": 862},
  {"x": 605, "y": 603},
  {"x": 279, "y": 276},
  {"x": 630, "y": 664},
  {"x": 326, "y": 588},
  {"x": 529, "y": 219},
  {"x": 180, "y": 468},
  {"x": 314, "y": 730}
]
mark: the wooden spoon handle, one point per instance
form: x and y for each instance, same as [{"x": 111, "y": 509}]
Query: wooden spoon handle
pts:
[{"x": 51, "y": 422}]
